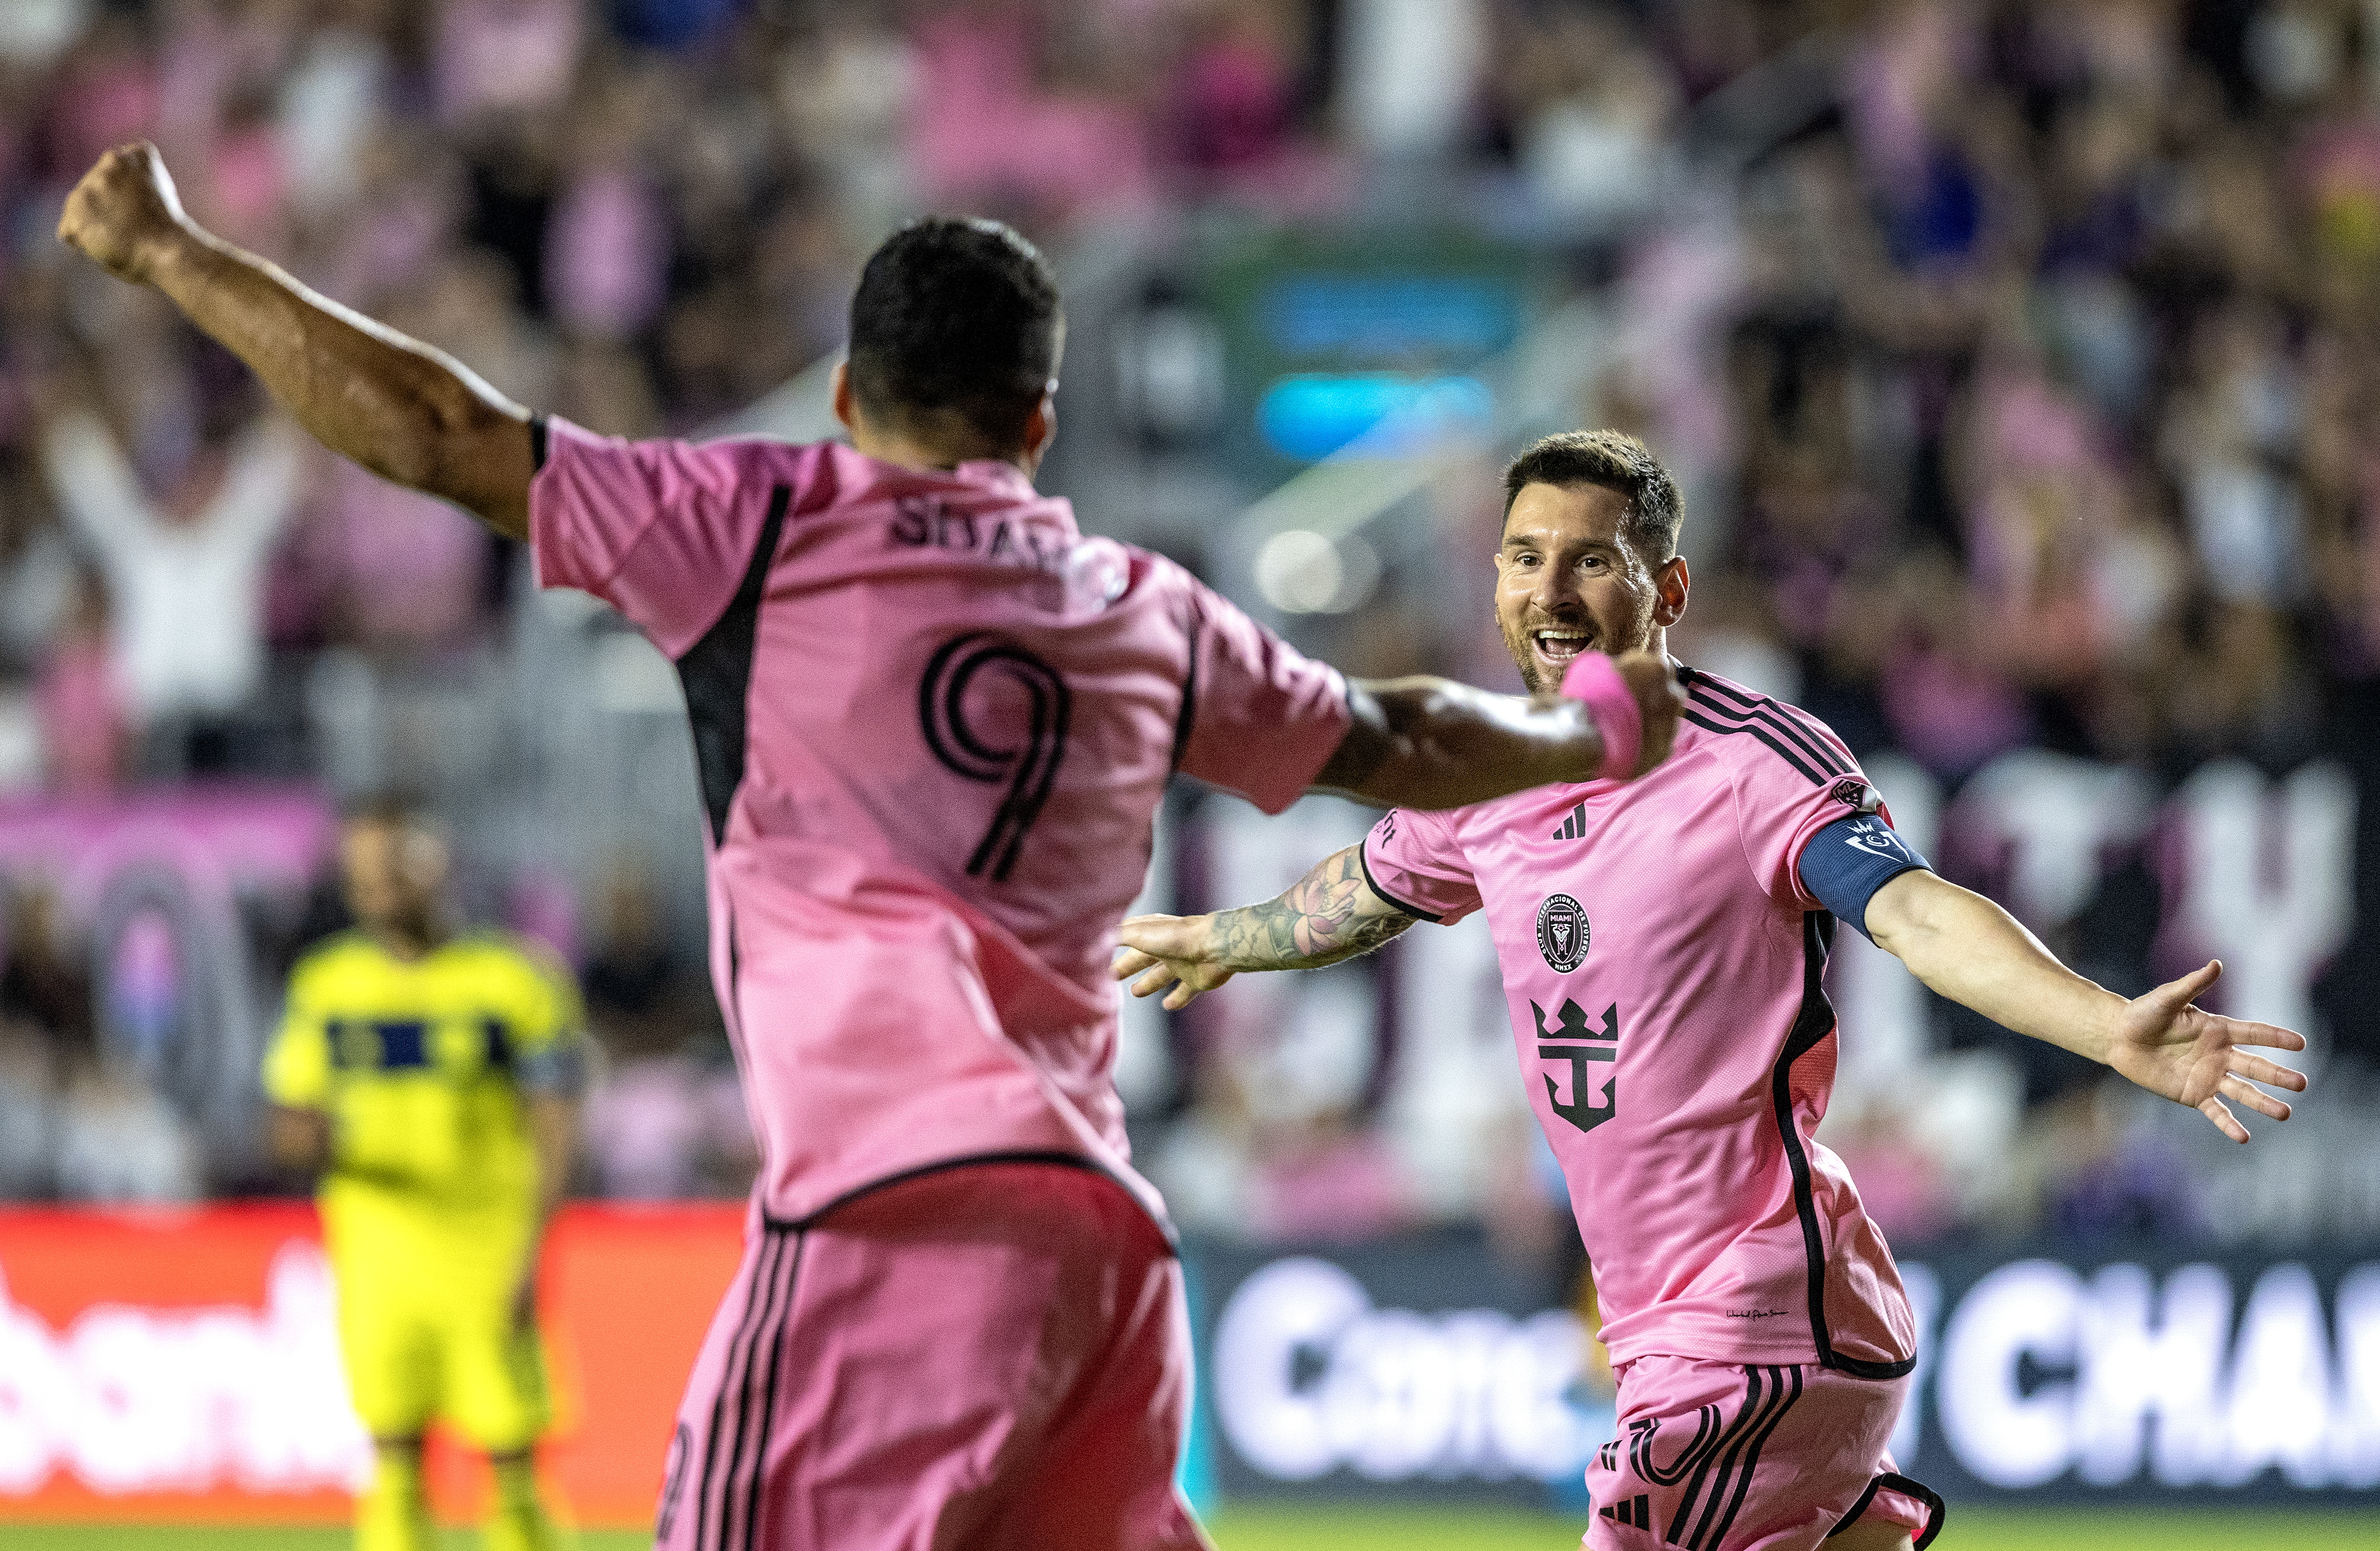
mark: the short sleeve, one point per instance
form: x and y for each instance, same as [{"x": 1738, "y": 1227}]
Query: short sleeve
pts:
[
  {"x": 297, "y": 1063},
  {"x": 550, "y": 1028},
  {"x": 663, "y": 531},
  {"x": 1413, "y": 860},
  {"x": 1259, "y": 718},
  {"x": 1782, "y": 799}
]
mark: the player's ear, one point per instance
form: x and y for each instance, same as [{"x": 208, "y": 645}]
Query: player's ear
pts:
[
  {"x": 1041, "y": 426},
  {"x": 1670, "y": 586},
  {"x": 839, "y": 390}
]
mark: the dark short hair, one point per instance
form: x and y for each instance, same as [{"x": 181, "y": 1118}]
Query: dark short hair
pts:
[
  {"x": 956, "y": 317},
  {"x": 1616, "y": 461}
]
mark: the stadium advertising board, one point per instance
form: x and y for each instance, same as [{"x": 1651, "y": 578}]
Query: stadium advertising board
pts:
[
  {"x": 184, "y": 1366},
  {"x": 1426, "y": 1368}
]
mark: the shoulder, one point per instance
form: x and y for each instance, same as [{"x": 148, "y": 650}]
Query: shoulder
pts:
[
  {"x": 1756, "y": 736},
  {"x": 1144, "y": 573},
  {"x": 682, "y": 468},
  {"x": 1440, "y": 829},
  {"x": 492, "y": 950}
]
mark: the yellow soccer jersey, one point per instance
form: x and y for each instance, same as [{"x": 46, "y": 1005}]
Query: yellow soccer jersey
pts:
[{"x": 422, "y": 1065}]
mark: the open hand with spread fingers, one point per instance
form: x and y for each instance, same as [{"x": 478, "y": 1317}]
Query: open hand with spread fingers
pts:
[
  {"x": 1170, "y": 951},
  {"x": 2169, "y": 1045}
]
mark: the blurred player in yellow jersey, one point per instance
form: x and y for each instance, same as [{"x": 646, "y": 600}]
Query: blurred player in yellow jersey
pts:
[{"x": 432, "y": 1078}]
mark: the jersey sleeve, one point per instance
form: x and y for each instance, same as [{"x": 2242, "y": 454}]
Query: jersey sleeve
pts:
[
  {"x": 1413, "y": 860},
  {"x": 1849, "y": 860},
  {"x": 1783, "y": 800},
  {"x": 1258, "y": 717},
  {"x": 550, "y": 1027},
  {"x": 663, "y": 531},
  {"x": 297, "y": 1063}
]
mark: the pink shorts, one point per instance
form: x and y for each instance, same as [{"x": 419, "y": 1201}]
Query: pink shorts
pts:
[
  {"x": 1721, "y": 1457},
  {"x": 989, "y": 1356}
]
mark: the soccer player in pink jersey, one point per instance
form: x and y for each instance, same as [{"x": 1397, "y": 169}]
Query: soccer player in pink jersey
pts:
[
  {"x": 932, "y": 723},
  {"x": 1662, "y": 943}
]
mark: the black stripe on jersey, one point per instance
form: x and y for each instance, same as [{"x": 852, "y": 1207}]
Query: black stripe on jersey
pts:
[
  {"x": 1773, "y": 717},
  {"x": 1707, "y": 694},
  {"x": 1783, "y": 752},
  {"x": 1374, "y": 884},
  {"x": 716, "y": 673},
  {"x": 1791, "y": 1378},
  {"x": 1783, "y": 711},
  {"x": 1183, "y": 718},
  {"x": 1812, "y": 1025},
  {"x": 969, "y": 1160}
]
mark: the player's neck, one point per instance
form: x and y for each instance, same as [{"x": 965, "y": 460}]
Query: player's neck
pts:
[
  {"x": 410, "y": 939},
  {"x": 905, "y": 451}
]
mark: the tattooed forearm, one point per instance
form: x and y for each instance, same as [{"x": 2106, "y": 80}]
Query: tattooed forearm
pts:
[{"x": 1330, "y": 914}]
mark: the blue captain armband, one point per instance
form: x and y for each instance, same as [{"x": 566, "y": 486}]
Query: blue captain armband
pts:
[{"x": 1849, "y": 860}]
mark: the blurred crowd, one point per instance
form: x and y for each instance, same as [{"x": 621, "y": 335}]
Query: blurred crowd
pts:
[{"x": 2021, "y": 361}]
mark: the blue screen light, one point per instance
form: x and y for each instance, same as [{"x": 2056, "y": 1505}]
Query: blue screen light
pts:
[
  {"x": 1310, "y": 415},
  {"x": 1392, "y": 317}
]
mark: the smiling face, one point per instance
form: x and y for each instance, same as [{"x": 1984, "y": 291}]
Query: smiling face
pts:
[{"x": 1567, "y": 582}]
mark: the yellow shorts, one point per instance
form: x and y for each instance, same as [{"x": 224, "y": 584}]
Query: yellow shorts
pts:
[{"x": 427, "y": 1331}]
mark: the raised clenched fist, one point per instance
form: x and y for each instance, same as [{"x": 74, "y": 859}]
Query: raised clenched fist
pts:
[
  {"x": 125, "y": 214},
  {"x": 1659, "y": 699}
]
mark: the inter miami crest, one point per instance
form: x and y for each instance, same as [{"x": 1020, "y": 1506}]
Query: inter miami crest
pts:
[{"x": 1563, "y": 932}]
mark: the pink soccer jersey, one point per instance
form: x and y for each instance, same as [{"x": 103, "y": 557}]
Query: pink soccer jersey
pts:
[
  {"x": 932, "y": 724},
  {"x": 1662, "y": 961}
]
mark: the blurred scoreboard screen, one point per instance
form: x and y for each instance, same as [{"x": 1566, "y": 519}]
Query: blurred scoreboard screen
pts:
[{"x": 1315, "y": 344}]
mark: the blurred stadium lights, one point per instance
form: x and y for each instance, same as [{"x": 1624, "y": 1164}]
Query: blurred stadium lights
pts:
[
  {"x": 1302, "y": 537},
  {"x": 1303, "y": 572},
  {"x": 1311, "y": 415}
]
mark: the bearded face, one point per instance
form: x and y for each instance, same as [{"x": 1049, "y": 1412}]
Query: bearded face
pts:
[{"x": 1567, "y": 581}]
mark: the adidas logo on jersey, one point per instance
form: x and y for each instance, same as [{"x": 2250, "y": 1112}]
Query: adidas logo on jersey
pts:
[
  {"x": 1637, "y": 1512},
  {"x": 1573, "y": 827}
]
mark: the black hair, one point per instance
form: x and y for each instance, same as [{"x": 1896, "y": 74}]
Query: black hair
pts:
[
  {"x": 1616, "y": 461},
  {"x": 956, "y": 317}
]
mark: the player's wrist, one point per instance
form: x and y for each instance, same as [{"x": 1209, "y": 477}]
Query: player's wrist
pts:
[
  {"x": 168, "y": 254},
  {"x": 1595, "y": 682}
]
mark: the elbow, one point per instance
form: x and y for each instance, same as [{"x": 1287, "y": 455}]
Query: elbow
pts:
[
  {"x": 432, "y": 439},
  {"x": 1399, "y": 754},
  {"x": 408, "y": 458}
]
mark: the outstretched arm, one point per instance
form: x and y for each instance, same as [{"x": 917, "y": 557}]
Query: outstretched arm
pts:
[
  {"x": 406, "y": 411},
  {"x": 1331, "y": 913},
  {"x": 1430, "y": 743},
  {"x": 1972, "y": 951}
]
